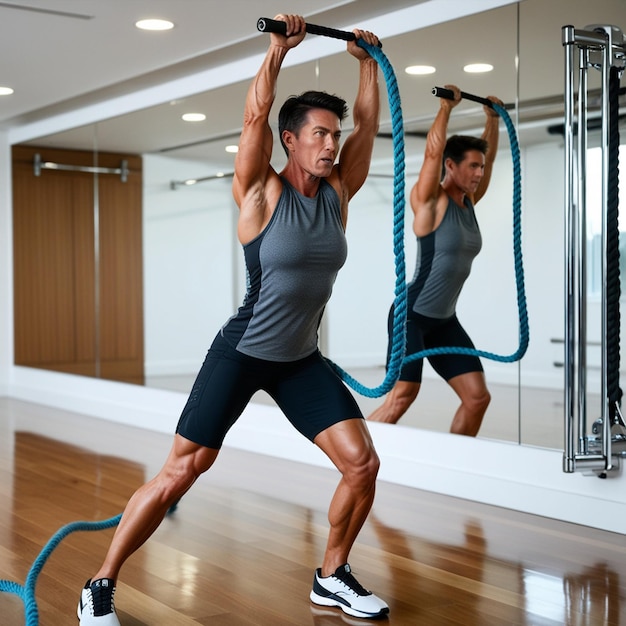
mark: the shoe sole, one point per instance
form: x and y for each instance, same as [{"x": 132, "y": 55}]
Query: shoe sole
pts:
[
  {"x": 336, "y": 616},
  {"x": 348, "y": 610}
]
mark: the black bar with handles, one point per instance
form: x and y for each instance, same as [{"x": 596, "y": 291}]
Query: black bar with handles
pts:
[
  {"x": 267, "y": 25},
  {"x": 442, "y": 92}
]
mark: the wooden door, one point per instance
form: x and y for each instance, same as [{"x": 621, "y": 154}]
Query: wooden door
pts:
[{"x": 78, "y": 307}]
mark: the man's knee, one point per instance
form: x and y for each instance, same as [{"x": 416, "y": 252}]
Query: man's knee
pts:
[
  {"x": 475, "y": 398},
  {"x": 402, "y": 397},
  {"x": 175, "y": 479},
  {"x": 362, "y": 471},
  {"x": 182, "y": 470},
  {"x": 480, "y": 401}
]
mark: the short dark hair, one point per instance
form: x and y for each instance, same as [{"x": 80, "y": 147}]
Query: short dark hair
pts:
[
  {"x": 458, "y": 145},
  {"x": 293, "y": 113}
]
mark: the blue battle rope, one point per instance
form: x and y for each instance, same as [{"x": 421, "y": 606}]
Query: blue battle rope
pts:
[
  {"x": 27, "y": 591},
  {"x": 398, "y": 343},
  {"x": 397, "y": 358}
]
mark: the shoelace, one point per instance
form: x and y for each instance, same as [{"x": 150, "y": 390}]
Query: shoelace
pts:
[
  {"x": 350, "y": 581},
  {"x": 102, "y": 601}
]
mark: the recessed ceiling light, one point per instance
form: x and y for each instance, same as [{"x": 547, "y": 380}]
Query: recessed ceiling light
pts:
[
  {"x": 232, "y": 148},
  {"x": 154, "y": 24},
  {"x": 477, "y": 68},
  {"x": 420, "y": 70},
  {"x": 5, "y": 91},
  {"x": 194, "y": 117}
]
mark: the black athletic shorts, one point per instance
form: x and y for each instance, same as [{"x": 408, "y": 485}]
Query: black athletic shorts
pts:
[
  {"x": 308, "y": 391},
  {"x": 427, "y": 332}
]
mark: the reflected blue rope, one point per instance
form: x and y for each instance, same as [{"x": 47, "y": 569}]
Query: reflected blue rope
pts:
[
  {"x": 397, "y": 358},
  {"x": 524, "y": 332}
]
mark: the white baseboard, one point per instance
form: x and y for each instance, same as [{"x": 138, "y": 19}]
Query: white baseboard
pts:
[{"x": 183, "y": 367}]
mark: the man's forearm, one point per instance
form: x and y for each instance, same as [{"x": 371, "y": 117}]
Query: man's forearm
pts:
[
  {"x": 366, "y": 109},
  {"x": 437, "y": 135},
  {"x": 491, "y": 134},
  {"x": 263, "y": 88}
]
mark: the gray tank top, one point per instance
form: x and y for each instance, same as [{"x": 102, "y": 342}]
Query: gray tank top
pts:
[
  {"x": 444, "y": 261},
  {"x": 291, "y": 268}
]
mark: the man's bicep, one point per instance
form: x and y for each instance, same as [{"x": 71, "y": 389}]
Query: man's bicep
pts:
[
  {"x": 252, "y": 162},
  {"x": 355, "y": 160},
  {"x": 428, "y": 185}
]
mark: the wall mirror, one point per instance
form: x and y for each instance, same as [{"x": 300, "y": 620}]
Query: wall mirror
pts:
[{"x": 192, "y": 272}]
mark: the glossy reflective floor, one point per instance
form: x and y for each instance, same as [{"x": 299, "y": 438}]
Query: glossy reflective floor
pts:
[{"x": 241, "y": 548}]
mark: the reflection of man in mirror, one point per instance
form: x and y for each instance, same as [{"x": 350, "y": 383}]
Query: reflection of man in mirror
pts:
[
  {"x": 453, "y": 178},
  {"x": 291, "y": 226}
]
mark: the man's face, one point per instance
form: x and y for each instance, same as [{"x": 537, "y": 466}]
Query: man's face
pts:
[
  {"x": 316, "y": 146},
  {"x": 469, "y": 172}
]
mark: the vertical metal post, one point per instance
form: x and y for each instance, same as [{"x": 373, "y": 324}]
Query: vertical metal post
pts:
[
  {"x": 581, "y": 248},
  {"x": 570, "y": 283},
  {"x": 594, "y": 50},
  {"x": 607, "y": 56}
]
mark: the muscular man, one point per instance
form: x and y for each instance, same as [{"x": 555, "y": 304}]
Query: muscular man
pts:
[
  {"x": 291, "y": 225},
  {"x": 454, "y": 176}
]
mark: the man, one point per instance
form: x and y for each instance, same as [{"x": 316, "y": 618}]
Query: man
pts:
[
  {"x": 454, "y": 176},
  {"x": 291, "y": 226}
]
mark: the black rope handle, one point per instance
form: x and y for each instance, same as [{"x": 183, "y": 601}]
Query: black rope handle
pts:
[
  {"x": 442, "y": 92},
  {"x": 267, "y": 25}
]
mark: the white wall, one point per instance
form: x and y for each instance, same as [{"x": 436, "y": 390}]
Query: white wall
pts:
[
  {"x": 543, "y": 224},
  {"x": 189, "y": 277}
]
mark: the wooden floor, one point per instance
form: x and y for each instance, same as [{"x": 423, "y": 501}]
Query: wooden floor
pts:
[{"x": 242, "y": 546}]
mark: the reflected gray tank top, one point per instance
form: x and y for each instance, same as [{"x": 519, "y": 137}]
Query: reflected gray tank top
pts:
[
  {"x": 444, "y": 261},
  {"x": 291, "y": 268}
]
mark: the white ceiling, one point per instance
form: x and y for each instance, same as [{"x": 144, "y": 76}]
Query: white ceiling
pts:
[
  {"x": 59, "y": 50},
  {"x": 63, "y": 49},
  {"x": 63, "y": 56}
]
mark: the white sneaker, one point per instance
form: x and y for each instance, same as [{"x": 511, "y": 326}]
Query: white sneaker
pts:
[
  {"x": 96, "y": 607},
  {"x": 342, "y": 589}
]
